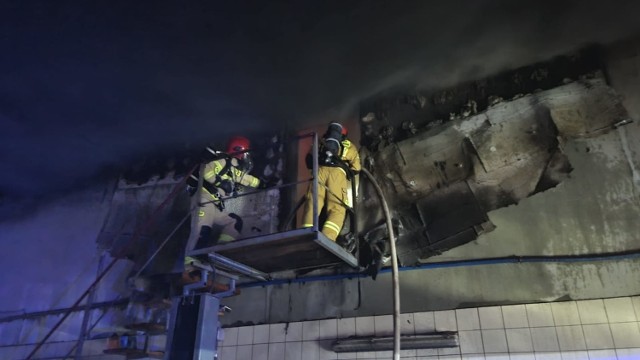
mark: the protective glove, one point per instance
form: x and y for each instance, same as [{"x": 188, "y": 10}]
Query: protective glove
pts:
[{"x": 268, "y": 183}]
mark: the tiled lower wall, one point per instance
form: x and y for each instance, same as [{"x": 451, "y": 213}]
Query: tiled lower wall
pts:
[{"x": 590, "y": 329}]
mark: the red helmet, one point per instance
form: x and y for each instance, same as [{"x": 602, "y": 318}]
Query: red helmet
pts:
[
  {"x": 238, "y": 145},
  {"x": 344, "y": 130}
]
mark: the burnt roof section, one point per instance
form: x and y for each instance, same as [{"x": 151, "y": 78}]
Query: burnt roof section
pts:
[{"x": 403, "y": 113}]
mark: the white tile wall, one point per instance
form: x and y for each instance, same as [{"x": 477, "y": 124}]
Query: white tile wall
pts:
[
  {"x": 491, "y": 317},
  {"x": 592, "y": 312},
  {"x": 522, "y": 357},
  {"x": 495, "y": 341},
  {"x": 519, "y": 340},
  {"x": 545, "y": 339},
  {"x": 346, "y": 327},
  {"x": 598, "y": 336},
  {"x": 293, "y": 332},
  {"x": 572, "y": 330},
  {"x": 628, "y": 354},
  {"x": 602, "y": 354},
  {"x": 245, "y": 335},
  {"x": 311, "y": 330},
  {"x": 468, "y": 319},
  {"x": 548, "y": 356},
  {"x": 277, "y": 333},
  {"x": 470, "y": 342},
  {"x": 472, "y": 357},
  {"x": 230, "y": 337},
  {"x": 619, "y": 310},
  {"x": 385, "y": 354},
  {"x": 635, "y": 300},
  {"x": 448, "y": 351},
  {"x": 574, "y": 355},
  {"x": 625, "y": 335},
  {"x": 244, "y": 352},
  {"x": 423, "y": 353},
  {"x": 310, "y": 350},
  {"x": 260, "y": 352},
  {"x": 347, "y": 355},
  {"x": 445, "y": 320},
  {"x": 383, "y": 325},
  {"x": 498, "y": 356},
  {"x": 276, "y": 352},
  {"x": 539, "y": 315},
  {"x": 565, "y": 313},
  {"x": 450, "y": 357},
  {"x": 325, "y": 350},
  {"x": 365, "y": 326},
  {"x": 571, "y": 338},
  {"x": 261, "y": 334},
  {"x": 424, "y": 322},
  {"x": 293, "y": 350},
  {"x": 515, "y": 316},
  {"x": 228, "y": 352},
  {"x": 406, "y": 324},
  {"x": 328, "y": 329}
]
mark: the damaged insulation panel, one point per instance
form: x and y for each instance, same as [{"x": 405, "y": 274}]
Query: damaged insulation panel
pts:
[{"x": 443, "y": 180}]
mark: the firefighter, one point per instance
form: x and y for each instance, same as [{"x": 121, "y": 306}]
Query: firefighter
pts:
[
  {"x": 210, "y": 223},
  {"x": 336, "y": 156}
]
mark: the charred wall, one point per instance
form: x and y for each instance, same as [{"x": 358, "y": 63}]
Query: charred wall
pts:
[
  {"x": 443, "y": 176},
  {"x": 134, "y": 228}
]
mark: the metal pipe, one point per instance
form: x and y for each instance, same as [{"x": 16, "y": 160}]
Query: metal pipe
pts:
[
  {"x": 38, "y": 314},
  {"x": 625, "y": 255},
  {"x": 235, "y": 266},
  {"x": 229, "y": 292},
  {"x": 436, "y": 340},
  {"x": 75, "y": 304},
  {"x": 87, "y": 313},
  {"x": 89, "y": 331},
  {"x": 394, "y": 266},
  {"x": 204, "y": 278}
]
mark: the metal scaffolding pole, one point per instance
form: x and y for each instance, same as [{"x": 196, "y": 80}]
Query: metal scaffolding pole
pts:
[{"x": 136, "y": 234}]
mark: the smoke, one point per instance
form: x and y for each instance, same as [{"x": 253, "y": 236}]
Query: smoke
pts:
[{"x": 90, "y": 85}]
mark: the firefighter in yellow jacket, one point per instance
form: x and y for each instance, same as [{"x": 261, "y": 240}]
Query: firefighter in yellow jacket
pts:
[
  {"x": 210, "y": 223},
  {"x": 333, "y": 181}
]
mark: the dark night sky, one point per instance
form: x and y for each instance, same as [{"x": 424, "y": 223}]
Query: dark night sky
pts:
[{"x": 85, "y": 85}]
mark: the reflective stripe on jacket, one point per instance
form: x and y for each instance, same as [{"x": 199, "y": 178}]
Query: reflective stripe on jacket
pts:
[
  {"x": 350, "y": 155},
  {"x": 212, "y": 171}
]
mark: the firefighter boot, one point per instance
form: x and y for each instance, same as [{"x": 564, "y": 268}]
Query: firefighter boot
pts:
[{"x": 204, "y": 239}]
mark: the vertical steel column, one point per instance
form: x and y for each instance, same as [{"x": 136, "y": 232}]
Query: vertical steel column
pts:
[
  {"x": 87, "y": 312},
  {"x": 193, "y": 328},
  {"x": 208, "y": 325},
  {"x": 316, "y": 226}
]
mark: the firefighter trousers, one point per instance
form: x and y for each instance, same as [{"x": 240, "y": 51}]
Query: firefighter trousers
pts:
[
  {"x": 332, "y": 194},
  {"x": 206, "y": 213}
]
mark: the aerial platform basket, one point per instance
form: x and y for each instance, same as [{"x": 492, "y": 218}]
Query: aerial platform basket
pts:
[{"x": 290, "y": 250}]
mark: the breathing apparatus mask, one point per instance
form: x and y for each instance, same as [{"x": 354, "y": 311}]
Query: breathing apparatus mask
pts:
[
  {"x": 245, "y": 163},
  {"x": 332, "y": 142},
  {"x": 238, "y": 149}
]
